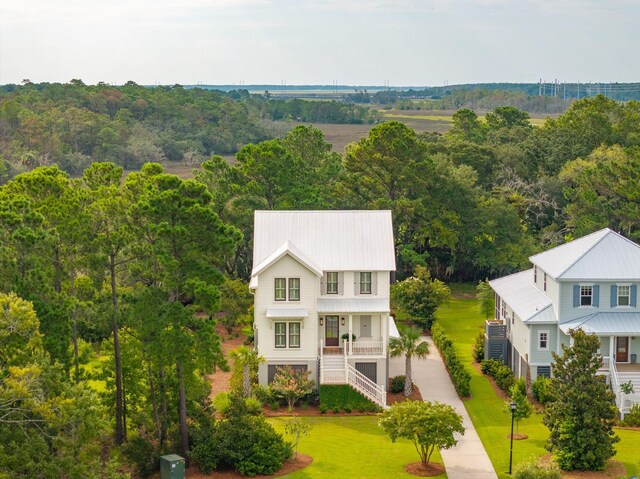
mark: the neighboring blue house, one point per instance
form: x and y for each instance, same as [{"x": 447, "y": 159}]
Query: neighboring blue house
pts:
[{"x": 590, "y": 284}]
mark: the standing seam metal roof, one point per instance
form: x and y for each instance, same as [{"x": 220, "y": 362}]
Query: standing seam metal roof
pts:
[
  {"x": 332, "y": 240},
  {"x": 603, "y": 255}
]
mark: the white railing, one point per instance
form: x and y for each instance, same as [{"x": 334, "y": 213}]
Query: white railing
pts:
[
  {"x": 615, "y": 384},
  {"x": 321, "y": 348},
  {"x": 605, "y": 362},
  {"x": 628, "y": 400},
  {"x": 366, "y": 386},
  {"x": 367, "y": 347}
]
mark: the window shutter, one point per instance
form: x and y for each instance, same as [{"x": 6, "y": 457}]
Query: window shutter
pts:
[
  {"x": 596, "y": 295},
  {"x": 374, "y": 282},
  {"x": 634, "y": 293},
  {"x": 341, "y": 283},
  {"x": 356, "y": 283},
  {"x": 576, "y": 295},
  {"x": 614, "y": 295},
  {"x": 323, "y": 284}
]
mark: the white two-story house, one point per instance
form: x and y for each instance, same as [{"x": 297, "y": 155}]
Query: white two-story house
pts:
[
  {"x": 590, "y": 283},
  {"x": 321, "y": 286}
]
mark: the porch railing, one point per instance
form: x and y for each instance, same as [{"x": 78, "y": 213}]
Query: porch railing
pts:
[
  {"x": 365, "y": 347},
  {"x": 606, "y": 361},
  {"x": 615, "y": 384},
  {"x": 366, "y": 386}
]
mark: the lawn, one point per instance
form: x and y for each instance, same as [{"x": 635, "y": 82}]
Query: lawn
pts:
[
  {"x": 353, "y": 447},
  {"x": 463, "y": 321}
]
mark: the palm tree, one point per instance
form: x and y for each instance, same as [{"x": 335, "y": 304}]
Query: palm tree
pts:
[
  {"x": 410, "y": 345},
  {"x": 247, "y": 361}
]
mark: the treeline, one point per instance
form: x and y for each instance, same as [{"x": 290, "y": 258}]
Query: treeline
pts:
[
  {"x": 73, "y": 124},
  {"x": 549, "y": 97},
  {"x": 131, "y": 266},
  {"x": 141, "y": 265}
]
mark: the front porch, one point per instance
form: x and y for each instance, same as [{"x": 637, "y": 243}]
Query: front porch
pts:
[{"x": 353, "y": 334}]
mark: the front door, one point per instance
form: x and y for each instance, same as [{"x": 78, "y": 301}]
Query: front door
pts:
[
  {"x": 622, "y": 349},
  {"x": 331, "y": 331},
  {"x": 365, "y": 326}
]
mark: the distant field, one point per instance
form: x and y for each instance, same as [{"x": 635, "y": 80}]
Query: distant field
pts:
[{"x": 339, "y": 136}]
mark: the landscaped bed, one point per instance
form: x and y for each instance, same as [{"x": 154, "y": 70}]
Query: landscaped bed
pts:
[{"x": 462, "y": 321}]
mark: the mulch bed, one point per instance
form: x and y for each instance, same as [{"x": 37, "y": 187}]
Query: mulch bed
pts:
[
  {"x": 221, "y": 380},
  {"x": 432, "y": 469},
  {"x": 517, "y": 437},
  {"x": 309, "y": 411},
  {"x": 299, "y": 462},
  {"x": 400, "y": 397},
  {"x": 614, "y": 470}
]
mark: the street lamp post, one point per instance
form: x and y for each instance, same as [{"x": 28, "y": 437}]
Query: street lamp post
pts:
[{"x": 513, "y": 407}]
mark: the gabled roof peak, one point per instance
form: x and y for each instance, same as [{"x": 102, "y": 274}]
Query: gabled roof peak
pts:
[{"x": 601, "y": 255}]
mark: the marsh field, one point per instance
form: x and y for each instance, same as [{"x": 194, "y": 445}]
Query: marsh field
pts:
[{"x": 339, "y": 136}]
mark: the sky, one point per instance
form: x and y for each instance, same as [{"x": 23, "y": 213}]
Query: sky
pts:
[{"x": 301, "y": 42}]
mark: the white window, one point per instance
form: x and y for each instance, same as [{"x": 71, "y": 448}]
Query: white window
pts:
[
  {"x": 281, "y": 335},
  {"x": 543, "y": 340},
  {"x": 497, "y": 306},
  {"x": 504, "y": 308},
  {"x": 332, "y": 283},
  {"x": 545, "y": 282},
  {"x": 623, "y": 295},
  {"x": 281, "y": 289},
  {"x": 586, "y": 295},
  {"x": 365, "y": 283},
  {"x": 294, "y": 289},
  {"x": 294, "y": 335}
]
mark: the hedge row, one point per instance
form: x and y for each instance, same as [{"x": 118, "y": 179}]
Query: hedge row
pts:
[
  {"x": 500, "y": 372},
  {"x": 459, "y": 375}
]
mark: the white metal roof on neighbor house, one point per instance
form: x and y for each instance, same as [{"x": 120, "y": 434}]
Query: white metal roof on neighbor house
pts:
[
  {"x": 529, "y": 304},
  {"x": 603, "y": 255},
  {"x": 331, "y": 240},
  {"x": 606, "y": 324},
  {"x": 393, "y": 329},
  {"x": 357, "y": 305}
]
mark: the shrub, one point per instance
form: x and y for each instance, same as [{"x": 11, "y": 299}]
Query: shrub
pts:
[
  {"x": 633, "y": 418},
  {"x": 142, "y": 454},
  {"x": 397, "y": 384},
  {"x": 500, "y": 372},
  {"x": 262, "y": 393},
  {"x": 478, "y": 348},
  {"x": 240, "y": 441},
  {"x": 222, "y": 402},
  {"x": 459, "y": 375},
  {"x": 542, "y": 390},
  {"x": 337, "y": 397},
  {"x": 345, "y": 337},
  {"x": 254, "y": 407},
  {"x": 532, "y": 470},
  {"x": 323, "y": 409},
  {"x": 291, "y": 386}
]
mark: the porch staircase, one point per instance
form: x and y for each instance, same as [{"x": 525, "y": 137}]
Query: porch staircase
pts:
[
  {"x": 334, "y": 369},
  {"x": 626, "y": 401}
]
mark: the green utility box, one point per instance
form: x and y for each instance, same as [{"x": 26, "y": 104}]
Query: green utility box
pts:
[{"x": 172, "y": 467}]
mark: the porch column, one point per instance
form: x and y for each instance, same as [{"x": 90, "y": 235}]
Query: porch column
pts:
[
  {"x": 612, "y": 351},
  {"x": 350, "y": 334},
  {"x": 385, "y": 331}
]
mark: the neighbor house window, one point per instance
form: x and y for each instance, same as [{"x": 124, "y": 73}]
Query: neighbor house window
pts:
[
  {"x": 332, "y": 283},
  {"x": 294, "y": 289},
  {"x": 281, "y": 289},
  {"x": 623, "y": 295},
  {"x": 545, "y": 282},
  {"x": 504, "y": 308},
  {"x": 497, "y": 305},
  {"x": 294, "y": 335},
  {"x": 535, "y": 274},
  {"x": 365, "y": 283},
  {"x": 281, "y": 335},
  {"x": 543, "y": 340},
  {"x": 586, "y": 295}
]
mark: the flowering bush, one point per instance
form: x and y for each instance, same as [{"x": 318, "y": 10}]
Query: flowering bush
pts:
[{"x": 291, "y": 386}]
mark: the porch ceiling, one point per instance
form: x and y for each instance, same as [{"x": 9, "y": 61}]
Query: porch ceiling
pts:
[
  {"x": 606, "y": 324},
  {"x": 360, "y": 305}
]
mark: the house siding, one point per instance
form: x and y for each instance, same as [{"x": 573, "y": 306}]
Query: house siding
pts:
[
  {"x": 287, "y": 267},
  {"x": 537, "y": 356}
]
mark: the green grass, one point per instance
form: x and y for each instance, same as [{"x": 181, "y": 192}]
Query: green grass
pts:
[
  {"x": 462, "y": 320},
  {"x": 447, "y": 118},
  {"x": 345, "y": 398},
  {"x": 352, "y": 447}
]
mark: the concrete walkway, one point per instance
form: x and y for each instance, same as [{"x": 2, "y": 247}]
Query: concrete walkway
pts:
[{"x": 468, "y": 459}]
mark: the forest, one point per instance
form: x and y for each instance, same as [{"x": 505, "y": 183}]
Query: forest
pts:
[{"x": 140, "y": 267}]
